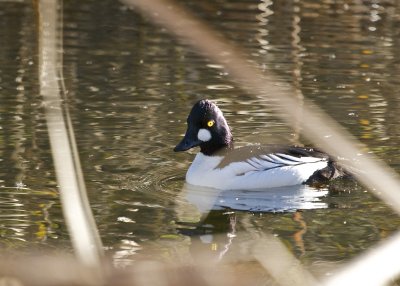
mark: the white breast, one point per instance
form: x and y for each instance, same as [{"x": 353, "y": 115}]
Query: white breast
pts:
[
  {"x": 203, "y": 171},
  {"x": 266, "y": 171}
]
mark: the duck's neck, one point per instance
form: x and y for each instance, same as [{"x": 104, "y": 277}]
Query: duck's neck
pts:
[{"x": 214, "y": 149}]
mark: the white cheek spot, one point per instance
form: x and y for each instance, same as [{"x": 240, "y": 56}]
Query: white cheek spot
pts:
[{"x": 204, "y": 135}]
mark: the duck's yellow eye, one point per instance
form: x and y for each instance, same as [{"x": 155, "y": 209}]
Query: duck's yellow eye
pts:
[{"x": 210, "y": 123}]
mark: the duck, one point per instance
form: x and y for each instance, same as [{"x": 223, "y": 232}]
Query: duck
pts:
[{"x": 220, "y": 165}]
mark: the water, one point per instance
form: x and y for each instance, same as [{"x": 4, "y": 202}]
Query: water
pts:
[{"x": 130, "y": 87}]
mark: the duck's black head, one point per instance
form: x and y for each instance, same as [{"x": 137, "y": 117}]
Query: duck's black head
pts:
[{"x": 207, "y": 128}]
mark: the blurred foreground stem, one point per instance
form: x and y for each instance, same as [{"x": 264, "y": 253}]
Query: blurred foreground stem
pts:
[{"x": 77, "y": 213}]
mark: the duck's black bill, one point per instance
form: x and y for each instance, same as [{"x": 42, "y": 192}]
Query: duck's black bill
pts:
[{"x": 189, "y": 141}]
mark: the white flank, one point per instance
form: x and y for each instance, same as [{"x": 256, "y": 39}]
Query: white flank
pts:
[
  {"x": 267, "y": 171},
  {"x": 204, "y": 135}
]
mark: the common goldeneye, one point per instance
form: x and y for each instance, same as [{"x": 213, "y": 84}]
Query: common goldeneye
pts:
[{"x": 219, "y": 165}]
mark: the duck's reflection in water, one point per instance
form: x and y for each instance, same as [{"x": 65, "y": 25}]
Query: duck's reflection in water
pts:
[
  {"x": 283, "y": 199},
  {"x": 200, "y": 209}
]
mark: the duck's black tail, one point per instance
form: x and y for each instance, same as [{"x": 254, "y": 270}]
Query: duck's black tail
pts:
[{"x": 330, "y": 172}]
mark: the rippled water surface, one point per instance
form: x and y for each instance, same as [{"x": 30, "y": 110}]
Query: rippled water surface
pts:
[{"x": 130, "y": 87}]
